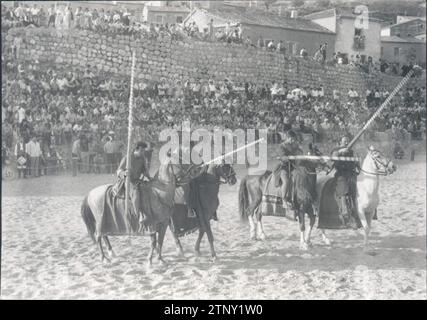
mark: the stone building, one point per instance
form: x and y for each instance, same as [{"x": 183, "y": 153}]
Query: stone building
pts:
[
  {"x": 405, "y": 28},
  {"x": 295, "y": 33},
  {"x": 403, "y": 51},
  {"x": 162, "y": 12},
  {"x": 354, "y": 35}
]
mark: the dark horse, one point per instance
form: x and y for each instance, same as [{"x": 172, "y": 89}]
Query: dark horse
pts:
[
  {"x": 158, "y": 197},
  {"x": 204, "y": 194},
  {"x": 304, "y": 195}
]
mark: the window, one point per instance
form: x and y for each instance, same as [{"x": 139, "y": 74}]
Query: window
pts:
[
  {"x": 359, "y": 39},
  {"x": 159, "y": 18},
  {"x": 179, "y": 19},
  {"x": 396, "y": 51}
]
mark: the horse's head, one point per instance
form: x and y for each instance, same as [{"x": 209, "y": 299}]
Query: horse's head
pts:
[
  {"x": 174, "y": 173},
  {"x": 379, "y": 163},
  {"x": 226, "y": 172}
]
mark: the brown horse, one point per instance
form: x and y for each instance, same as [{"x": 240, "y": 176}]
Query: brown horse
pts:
[
  {"x": 304, "y": 194},
  {"x": 158, "y": 197},
  {"x": 204, "y": 192}
]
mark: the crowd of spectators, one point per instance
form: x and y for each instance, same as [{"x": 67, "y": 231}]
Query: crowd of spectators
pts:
[
  {"x": 56, "y": 106},
  {"x": 53, "y": 115},
  {"x": 123, "y": 21}
]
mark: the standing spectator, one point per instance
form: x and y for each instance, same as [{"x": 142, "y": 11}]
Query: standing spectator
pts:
[
  {"x": 271, "y": 46},
  {"x": 84, "y": 154},
  {"x": 109, "y": 154},
  {"x": 260, "y": 43},
  {"x": 75, "y": 154},
  {"x": 52, "y": 16},
  {"x": 323, "y": 49},
  {"x": 34, "y": 152},
  {"x": 117, "y": 151},
  {"x": 211, "y": 29},
  {"x": 21, "y": 158},
  {"x": 303, "y": 53}
]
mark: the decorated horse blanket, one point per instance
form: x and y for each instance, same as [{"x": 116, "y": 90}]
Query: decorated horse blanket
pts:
[
  {"x": 272, "y": 200},
  {"x": 157, "y": 201}
]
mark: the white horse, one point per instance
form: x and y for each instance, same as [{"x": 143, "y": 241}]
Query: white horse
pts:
[{"x": 374, "y": 165}]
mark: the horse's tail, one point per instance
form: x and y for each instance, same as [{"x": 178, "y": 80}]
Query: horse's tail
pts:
[
  {"x": 243, "y": 200},
  {"x": 88, "y": 219}
]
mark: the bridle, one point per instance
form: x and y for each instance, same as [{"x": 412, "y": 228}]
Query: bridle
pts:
[{"x": 380, "y": 166}]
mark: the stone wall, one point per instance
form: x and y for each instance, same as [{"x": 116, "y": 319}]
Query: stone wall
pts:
[{"x": 188, "y": 59}]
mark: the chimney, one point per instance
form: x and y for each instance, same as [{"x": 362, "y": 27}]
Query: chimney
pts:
[{"x": 294, "y": 14}]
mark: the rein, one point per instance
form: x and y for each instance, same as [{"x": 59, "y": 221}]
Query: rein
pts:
[{"x": 377, "y": 172}]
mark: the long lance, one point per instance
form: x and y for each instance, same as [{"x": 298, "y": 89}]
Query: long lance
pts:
[
  {"x": 384, "y": 104},
  {"x": 233, "y": 152},
  {"x": 321, "y": 158},
  {"x": 130, "y": 130}
]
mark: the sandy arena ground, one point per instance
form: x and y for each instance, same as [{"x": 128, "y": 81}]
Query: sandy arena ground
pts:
[{"x": 47, "y": 254}]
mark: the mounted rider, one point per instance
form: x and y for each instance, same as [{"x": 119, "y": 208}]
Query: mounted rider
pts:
[
  {"x": 346, "y": 183},
  {"x": 137, "y": 172},
  {"x": 282, "y": 172}
]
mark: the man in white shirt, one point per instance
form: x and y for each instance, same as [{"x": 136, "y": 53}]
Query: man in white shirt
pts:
[
  {"x": 21, "y": 114},
  {"x": 34, "y": 152}
]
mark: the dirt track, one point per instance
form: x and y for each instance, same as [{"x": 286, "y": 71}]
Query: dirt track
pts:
[{"x": 46, "y": 252}]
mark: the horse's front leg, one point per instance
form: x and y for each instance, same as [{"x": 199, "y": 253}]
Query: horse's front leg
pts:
[
  {"x": 110, "y": 251},
  {"x": 103, "y": 256},
  {"x": 310, "y": 229},
  {"x": 179, "y": 249},
  {"x": 325, "y": 239},
  {"x": 259, "y": 227},
  {"x": 302, "y": 244},
  {"x": 162, "y": 232},
  {"x": 252, "y": 227},
  {"x": 198, "y": 241},
  {"x": 211, "y": 240},
  {"x": 153, "y": 238},
  {"x": 365, "y": 219}
]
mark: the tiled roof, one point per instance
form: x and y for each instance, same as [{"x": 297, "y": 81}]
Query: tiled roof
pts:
[
  {"x": 399, "y": 39},
  {"x": 409, "y": 21},
  {"x": 167, "y": 9},
  {"x": 262, "y": 18},
  {"x": 343, "y": 12}
]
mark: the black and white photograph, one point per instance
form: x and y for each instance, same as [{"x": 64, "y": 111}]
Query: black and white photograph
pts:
[{"x": 213, "y": 150}]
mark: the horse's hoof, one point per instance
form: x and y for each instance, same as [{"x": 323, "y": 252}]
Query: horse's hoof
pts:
[
  {"x": 327, "y": 241},
  {"x": 105, "y": 261},
  {"x": 111, "y": 254},
  {"x": 303, "y": 246},
  {"x": 180, "y": 253},
  {"x": 162, "y": 262},
  {"x": 214, "y": 259},
  {"x": 262, "y": 237},
  {"x": 310, "y": 244},
  {"x": 197, "y": 253},
  {"x": 253, "y": 237}
]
